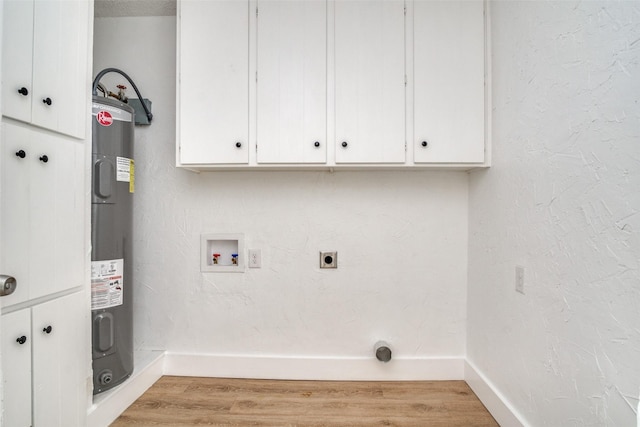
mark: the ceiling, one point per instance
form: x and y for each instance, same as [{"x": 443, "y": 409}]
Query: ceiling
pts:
[{"x": 114, "y": 8}]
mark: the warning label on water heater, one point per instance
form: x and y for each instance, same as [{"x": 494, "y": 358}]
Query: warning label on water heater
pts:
[
  {"x": 123, "y": 169},
  {"x": 125, "y": 172},
  {"x": 106, "y": 283}
]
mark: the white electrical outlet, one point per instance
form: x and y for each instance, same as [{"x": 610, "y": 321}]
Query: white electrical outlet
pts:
[
  {"x": 255, "y": 258},
  {"x": 520, "y": 279}
]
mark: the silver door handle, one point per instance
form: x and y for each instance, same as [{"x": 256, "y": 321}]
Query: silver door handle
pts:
[{"x": 7, "y": 285}]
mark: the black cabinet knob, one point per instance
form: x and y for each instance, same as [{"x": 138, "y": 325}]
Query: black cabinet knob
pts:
[
  {"x": 21, "y": 340},
  {"x": 344, "y": 144},
  {"x": 47, "y": 330},
  {"x": 23, "y": 91},
  {"x": 238, "y": 144},
  {"x": 316, "y": 144},
  {"x": 21, "y": 154},
  {"x": 44, "y": 158},
  {"x": 47, "y": 101},
  {"x": 424, "y": 143}
]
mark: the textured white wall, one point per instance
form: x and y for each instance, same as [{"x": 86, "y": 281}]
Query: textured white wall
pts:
[
  {"x": 562, "y": 200},
  {"x": 401, "y": 239}
]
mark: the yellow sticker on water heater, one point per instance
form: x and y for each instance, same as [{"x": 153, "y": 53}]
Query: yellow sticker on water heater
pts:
[{"x": 132, "y": 176}]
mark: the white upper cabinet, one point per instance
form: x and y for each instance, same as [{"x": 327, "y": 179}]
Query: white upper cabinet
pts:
[
  {"x": 291, "y": 81},
  {"x": 213, "y": 82},
  {"x": 331, "y": 84},
  {"x": 370, "y": 81},
  {"x": 449, "y": 93},
  {"x": 44, "y": 57},
  {"x": 17, "y": 59}
]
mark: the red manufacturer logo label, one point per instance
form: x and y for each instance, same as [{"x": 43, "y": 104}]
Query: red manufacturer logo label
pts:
[{"x": 105, "y": 118}]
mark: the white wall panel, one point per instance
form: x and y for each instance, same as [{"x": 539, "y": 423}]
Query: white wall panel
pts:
[{"x": 561, "y": 200}]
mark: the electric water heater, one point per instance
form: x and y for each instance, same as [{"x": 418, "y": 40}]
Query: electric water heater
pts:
[{"x": 113, "y": 184}]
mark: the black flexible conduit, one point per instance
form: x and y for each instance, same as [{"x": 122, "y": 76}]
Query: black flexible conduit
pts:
[{"x": 123, "y": 74}]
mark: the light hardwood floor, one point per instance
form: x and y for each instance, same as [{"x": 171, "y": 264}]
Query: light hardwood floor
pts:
[{"x": 189, "y": 401}]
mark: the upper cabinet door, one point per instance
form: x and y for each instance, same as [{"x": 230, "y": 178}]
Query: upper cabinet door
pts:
[
  {"x": 449, "y": 93},
  {"x": 44, "y": 64},
  {"x": 292, "y": 81},
  {"x": 213, "y": 82},
  {"x": 370, "y": 81},
  {"x": 17, "y": 59},
  {"x": 60, "y": 48}
]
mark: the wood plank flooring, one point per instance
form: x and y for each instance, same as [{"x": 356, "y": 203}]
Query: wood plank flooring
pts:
[{"x": 189, "y": 401}]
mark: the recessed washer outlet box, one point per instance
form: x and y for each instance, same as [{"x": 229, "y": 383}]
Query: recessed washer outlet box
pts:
[
  {"x": 222, "y": 253},
  {"x": 328, "y": 259}
]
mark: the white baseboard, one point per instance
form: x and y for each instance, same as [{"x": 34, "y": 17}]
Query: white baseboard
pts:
[
  {"x": 313, "y": 368},
  {"x": 492, "y": 399},
  {"x": 107, "y": 406}
]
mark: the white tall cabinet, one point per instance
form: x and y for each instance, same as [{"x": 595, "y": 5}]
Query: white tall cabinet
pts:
[
  {"x": 331, "y": 84},
  {"x": 44, "y": 205}
]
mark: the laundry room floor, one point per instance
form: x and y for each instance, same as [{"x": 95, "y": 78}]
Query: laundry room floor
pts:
[{"x": 193, "y": 401}]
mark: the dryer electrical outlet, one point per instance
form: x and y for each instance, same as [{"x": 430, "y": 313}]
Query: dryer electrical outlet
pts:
[{"x": 328, "y": 259}]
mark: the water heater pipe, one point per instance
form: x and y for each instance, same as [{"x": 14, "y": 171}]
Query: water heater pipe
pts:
[{"x": 96, "y": 81}]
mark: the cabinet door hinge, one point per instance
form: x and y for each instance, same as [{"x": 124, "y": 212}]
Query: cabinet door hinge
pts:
[{"x": 256, "y": 11}]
